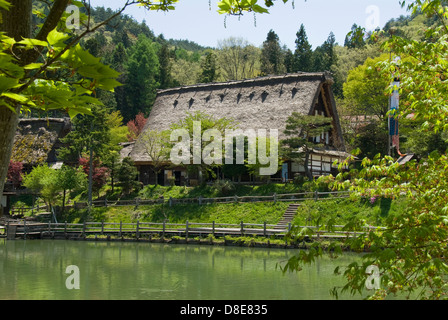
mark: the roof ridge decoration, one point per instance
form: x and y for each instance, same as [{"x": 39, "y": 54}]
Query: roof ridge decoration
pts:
[{"x": 325, "y": 76}]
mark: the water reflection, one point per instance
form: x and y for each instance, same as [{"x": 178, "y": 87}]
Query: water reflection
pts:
[{"x": 116, "y": 270}]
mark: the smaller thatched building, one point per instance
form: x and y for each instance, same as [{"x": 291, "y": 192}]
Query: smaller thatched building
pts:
[
  {"x": 260, "y": 103},
  {"x": 37, "y": 141}
]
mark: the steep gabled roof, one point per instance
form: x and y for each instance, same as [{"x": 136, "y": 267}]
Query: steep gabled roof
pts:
[{"x": 260, "y": 103}]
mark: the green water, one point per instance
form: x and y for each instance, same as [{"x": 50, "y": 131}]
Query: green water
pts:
[{"x": 36, "y": 269}]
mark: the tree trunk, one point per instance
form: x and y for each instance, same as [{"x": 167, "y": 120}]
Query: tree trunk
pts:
[
  {"x": 16, "y": 23},
  {"x": 305, "y": 165}
]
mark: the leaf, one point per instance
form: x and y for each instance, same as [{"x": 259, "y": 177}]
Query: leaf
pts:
[
  {"x": 259, "y": 9},
  {"x": 7, "y": 83},
  {"x": 56, "y": 38},
  {"x": 15, "y": 96},
  {"x": 5, "y": 4},
  {"x": 32, "y": 42},
  {"x": 32, "y": 66}
]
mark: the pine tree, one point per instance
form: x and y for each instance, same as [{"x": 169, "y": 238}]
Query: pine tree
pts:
[
  {"x": 303, "y": 54},
  {"x": 142, "y": 73},
  {"x": 299, "y": 132},
  {"x": 324, "y": 55},
  {"x": 165, "y": 79},
  {"x": 355, "y": 38},
  {"x": 209, "y": 68},
  {"x": 119, "y": 61},
  {"x": 272, "y": 59}
]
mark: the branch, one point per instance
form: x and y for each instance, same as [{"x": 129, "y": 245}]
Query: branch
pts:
[{"x": 45, "y": 66}]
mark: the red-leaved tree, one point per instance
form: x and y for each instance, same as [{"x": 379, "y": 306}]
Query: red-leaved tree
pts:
[
  {"x": 99, "y": 174},
  {"x": 136, "y": 126},
  {"x": 14, "y": 175}
]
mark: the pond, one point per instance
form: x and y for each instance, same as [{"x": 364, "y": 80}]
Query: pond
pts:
[{"x": 51, "y": 269}]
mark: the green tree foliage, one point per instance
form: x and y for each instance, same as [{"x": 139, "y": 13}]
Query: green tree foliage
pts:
[
  {"x": 165, "y": 78},
  {"x": 303, "y": 54},
  {"x": 207, "y": 122},
  {"x": 127, "y": 175},
  {"x": 90, "y": 132},
  {"x": 238, "y": 59},
  {"x": 142, "y": 73},
  {"x": 68, "y": 179},
  {"x": 210, "y": 68},
  {"x": 157, "y": 147},
  {"x": 365, "y": 89},
  {"x": 324, "y": 56},
  {"x": 355, "y": 38},
  {"x": 50, "y": 183}
]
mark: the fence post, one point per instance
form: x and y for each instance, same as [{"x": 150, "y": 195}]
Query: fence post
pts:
[
  {"x": 65, "y": 229},
  {"x": 200, "y": 200},
  {"x": 170, "y": 202},
  {"x": 264, "y": 228},
  {"x": 84, "y": 229},
  {"x": 236, "y": 198},
  {"x": 275, "y": 198},
  {"x": 163, "y": 230},
  {"x": 316, "y": 195},
  {"x": 105, "y": 202},
  {"x": 137, "y": 232},
  {"x": 102, "y": 227},
  {"x": 213, "y": 228},
  {"x": 186, "y": 231},
  {"x": 242, "y": 228},
  {"x": 121, "y": 225},
  {"x": 24, "y": 229}
]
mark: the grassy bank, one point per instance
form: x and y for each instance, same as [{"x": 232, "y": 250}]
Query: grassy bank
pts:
[{"x": 338, "y": 211}]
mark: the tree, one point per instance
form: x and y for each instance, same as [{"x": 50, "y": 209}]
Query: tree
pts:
[
  {"x": 96, "y": 172},
  {"x": 136, "y": 126},
  {"x": 15, "y": 173},
  {"x": 272, "y": 56},
  {"x": 91, "y": 133},
  {"x": 365, "y": 89},
  {"x": 206, "y": 122},
  {"x": 127, "y": 174},
  {"x": 165, "y": 78},
  {"x": 157, "y": 147},
  {"x": 142, "y": 73},
  {"x": 303, "y": 54},
  {"x": 355, "y": 38},
  {"x": 210, "y": 69},
  {"x": 324, "y": 57},
  {"x": 300, "y": 131},
  {"x": 238, "y": 59},
  {"x": 69, "y": 178}
]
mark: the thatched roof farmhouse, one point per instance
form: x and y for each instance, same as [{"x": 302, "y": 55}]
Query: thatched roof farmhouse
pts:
[{"x": 260, "y": 103}]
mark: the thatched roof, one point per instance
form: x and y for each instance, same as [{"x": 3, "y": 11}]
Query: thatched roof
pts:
[
  {"x": 260, "y": 103},
  {"x": 37, "y": 140}
]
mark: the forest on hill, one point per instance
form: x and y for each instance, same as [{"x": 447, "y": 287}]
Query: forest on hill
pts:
[{"x": 148, "y": 62}]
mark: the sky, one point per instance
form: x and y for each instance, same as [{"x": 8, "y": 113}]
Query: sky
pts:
[{"x": 199, "y": 21}]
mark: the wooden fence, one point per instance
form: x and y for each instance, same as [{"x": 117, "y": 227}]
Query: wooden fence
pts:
[{"x": 140, "y": 230}]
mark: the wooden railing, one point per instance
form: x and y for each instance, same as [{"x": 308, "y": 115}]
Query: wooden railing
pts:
[
  {"x": 147, "y": 229},
  {"x": 289, "y": 197}
]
